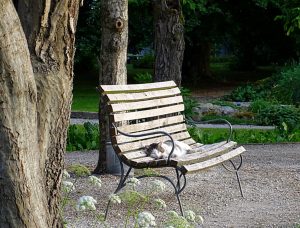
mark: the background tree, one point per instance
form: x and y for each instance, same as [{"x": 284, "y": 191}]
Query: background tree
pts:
[
  {"x": 169, "y": 40},
  {"x": 113, "y": 57},
  {"x": 36, "y": 90}
]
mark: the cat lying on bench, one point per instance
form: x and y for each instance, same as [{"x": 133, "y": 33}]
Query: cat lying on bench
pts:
[{"x": 163, "y": 149}]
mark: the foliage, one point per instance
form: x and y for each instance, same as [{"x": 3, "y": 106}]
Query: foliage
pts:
[
  {"x": 290, "y": 15},
  {"x": 189, "y": 102},
  {"x": 260, "y": 104},
  {"x": 146, "y": 61},
  {"x": 143, "y": 78},
  {"x": 79, "y": 170},
  {"x": 287, "y": 88},
  {"x": 83, "y": 137},
  {"x": 278, "y": 114},
  {"x": 246, "y": 93}
]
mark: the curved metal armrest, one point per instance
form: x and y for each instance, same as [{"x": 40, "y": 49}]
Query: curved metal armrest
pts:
[
  {"x": 150, "y": 133},
  {"x": 194, "y": 122}
]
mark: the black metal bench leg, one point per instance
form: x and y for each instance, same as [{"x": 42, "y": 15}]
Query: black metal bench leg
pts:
[
  {"x": 235, "y": 170},
  {"x": 120, "y": 185}
]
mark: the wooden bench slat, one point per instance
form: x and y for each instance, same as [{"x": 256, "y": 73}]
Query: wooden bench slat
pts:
[
  {"x": 170, "y": 129},
  {"x": 141, "y": 144},
  {"x": 204, "y": 155},
  {"x": 118, "y": 107},
  {"x": 148, "y": 113},
  {"x": 212, "y": 162},
  {"x": 125, "y": 97},
  {"x": 208, "y": 147},
  {"x": 135, "y": 87},
  {"x": 152, "y": 124}
]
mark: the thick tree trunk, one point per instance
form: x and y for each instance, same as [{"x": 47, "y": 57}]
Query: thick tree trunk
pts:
[
  {"x": 169, "y": 40},
  {"x": 49, "y": 27},
  {"x": 113, "y": 58}
]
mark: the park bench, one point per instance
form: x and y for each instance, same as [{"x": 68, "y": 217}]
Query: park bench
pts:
[{"x": 142, "y": 114}]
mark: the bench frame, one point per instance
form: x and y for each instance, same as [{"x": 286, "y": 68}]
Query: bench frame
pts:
[{"x": 181, "y": 181}]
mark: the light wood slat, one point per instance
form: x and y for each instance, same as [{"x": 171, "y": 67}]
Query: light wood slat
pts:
[
  {"x": 125, "y": 97},
  {"x": 202, "y": 156},
  {"x": 148, "y": 113},
  {"x": 134, "y": 155},
  {"x": 135, "y": 87},
  {"x": 148, "y": 162},
  {"x": 195, "y": 145},
  {"x": 212, "y": 162},
  {"x": 141, "y": 144},
  {"x": 189, "y": 141},
  {"x": 209, "y": 146},
  {"x": 118, "y": 107},
  {"x": 169, "y": 129},
  {"x": 152, "y": 124}
]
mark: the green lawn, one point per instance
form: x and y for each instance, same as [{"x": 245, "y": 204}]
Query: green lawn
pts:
[{"x": 85, "y": 95}]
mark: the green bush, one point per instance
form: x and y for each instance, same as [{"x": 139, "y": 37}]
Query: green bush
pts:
[
  {"x": 147, "y": 61},
  {"x": 277, "y": 115},
  {"x": 260, "y": 104},
  {"x": 247, "y": 93},
  {"x": 189, "y": 102},
  {"x": 287, "y": 89},
  {"x": 83, "y": 137}
]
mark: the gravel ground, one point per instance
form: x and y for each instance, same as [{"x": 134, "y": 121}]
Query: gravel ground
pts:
[{"x": 270, "y": 178}]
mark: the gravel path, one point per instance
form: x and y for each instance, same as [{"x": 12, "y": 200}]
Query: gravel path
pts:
[{"x": 270, "y": 178}]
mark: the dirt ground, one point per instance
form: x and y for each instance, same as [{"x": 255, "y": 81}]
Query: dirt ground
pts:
[{"x": 270, "y": 177}]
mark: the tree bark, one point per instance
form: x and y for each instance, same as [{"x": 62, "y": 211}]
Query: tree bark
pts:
[
  {"x": 32, "y": 158},
  {"x": 169, "y": 40},
  {"x": 197, "y": 65},
  {"x": 113, "y": 57}
]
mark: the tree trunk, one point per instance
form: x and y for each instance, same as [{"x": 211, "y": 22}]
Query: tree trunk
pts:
[
  {"x": 197, "y": 66},
  {"x": 32, "y": 158},
  {"x": 169, "y": 40},
  {"x": 113, "y": 59}
]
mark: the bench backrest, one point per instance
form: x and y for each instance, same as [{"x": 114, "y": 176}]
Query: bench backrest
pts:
[{"x": 143, "y": 108}]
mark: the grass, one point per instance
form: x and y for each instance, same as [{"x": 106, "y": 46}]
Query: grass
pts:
[
  {"x": 85, "y": 95},
  {"x": 242, "y": 136}
]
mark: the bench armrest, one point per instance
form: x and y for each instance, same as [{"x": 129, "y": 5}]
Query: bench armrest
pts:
[
  {"x": 194, "y": 122},
  {"x": 150, "y": 133}
]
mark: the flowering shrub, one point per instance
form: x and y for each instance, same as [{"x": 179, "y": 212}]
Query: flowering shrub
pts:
[
  {"x": 67, "y": 186},
  {"x": 86, "y": 203},
  {"x": 95, "y": 181},
  {"x": 146, "y": 219},
  {"x": 135, "y": 202}
]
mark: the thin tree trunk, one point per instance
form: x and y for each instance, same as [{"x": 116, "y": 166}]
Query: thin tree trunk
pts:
[
  {"x": 169, "y": 40},
  {"x": 49, "y": 27},
  {"x": 197, "y": 66},
  {"x": 113, "y": 59}
]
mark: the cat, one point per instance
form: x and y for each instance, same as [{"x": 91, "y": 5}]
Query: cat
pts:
[{"x": 163, "y": 149}]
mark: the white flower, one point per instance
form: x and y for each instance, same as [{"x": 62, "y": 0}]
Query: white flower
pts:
[
  {"x": 67, "y": 186},
  {"x": 157, "y": 186},
  {"x": 95, "y": 181},
  {"x": 133, "y": 182},
  {"x": 86, "y": 203},
  {"x": 190, "y": 215},
  {"x": 114, "y": 198},
  {"x": 66, "y": 174},
  {"x": 199, "y": 219},
  {"x": 172, "y": 214},
  {"x": 146, "y": 219},
  {"x": 169, "y": 226},
  {"x": 160, "y": 204}
]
